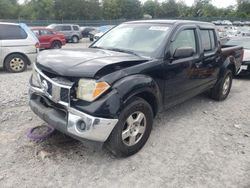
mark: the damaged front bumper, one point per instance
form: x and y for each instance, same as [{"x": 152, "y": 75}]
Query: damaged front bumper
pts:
[{"x": 67, "y": 119}]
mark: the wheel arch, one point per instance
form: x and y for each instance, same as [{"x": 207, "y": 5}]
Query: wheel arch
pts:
[
  {"x": 19, "y": 53},
  {"x": 228, "y": 64},
  {"x": 144, "y": 87}
]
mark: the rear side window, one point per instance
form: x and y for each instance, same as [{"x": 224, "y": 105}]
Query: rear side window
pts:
[
  {"x": 208, "y": 40},
  {"x": 46, "y": 32},
  {"x": 12, "y": 32},
  {"x": 66, "y": 28},
  {"x": 76, "y": 28}
]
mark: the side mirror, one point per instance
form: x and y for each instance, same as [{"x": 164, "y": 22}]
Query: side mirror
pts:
[{"x": 183, "y": 52}]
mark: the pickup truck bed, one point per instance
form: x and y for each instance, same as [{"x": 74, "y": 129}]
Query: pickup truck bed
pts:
[{"x": 236, "y": 53}]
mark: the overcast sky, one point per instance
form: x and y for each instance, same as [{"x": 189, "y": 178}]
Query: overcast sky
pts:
[{"x": 218, "y": 3}]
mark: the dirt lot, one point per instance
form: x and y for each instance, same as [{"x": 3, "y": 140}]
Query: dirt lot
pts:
[{"x": 200, "y": 143}]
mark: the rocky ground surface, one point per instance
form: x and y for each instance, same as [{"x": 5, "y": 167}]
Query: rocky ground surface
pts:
[{"x": 200, "y": 143}]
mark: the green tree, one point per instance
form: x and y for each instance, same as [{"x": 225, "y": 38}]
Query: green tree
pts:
[
  {"x": 8, "y": 9},
  {"x": 152, "y": 8},
  {"x": 169, "y": 8}
]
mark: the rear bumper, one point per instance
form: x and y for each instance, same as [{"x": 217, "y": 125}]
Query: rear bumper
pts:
[{"x": 70, "y": 121}]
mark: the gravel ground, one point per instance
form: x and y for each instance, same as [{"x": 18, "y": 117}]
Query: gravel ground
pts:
[{"x": 200, "y": 143}]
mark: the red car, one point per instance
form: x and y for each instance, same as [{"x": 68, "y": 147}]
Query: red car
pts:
[{"x": 48, "y": 38}]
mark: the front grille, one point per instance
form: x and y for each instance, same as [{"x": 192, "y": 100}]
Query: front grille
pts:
[
  {"x": 64, "y": 95},
  {"x": 57, "y": 89}
]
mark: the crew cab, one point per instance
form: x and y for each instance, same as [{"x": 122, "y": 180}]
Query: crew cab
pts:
[
  {"x": 110, "y": 92},
  {"x": 48, "y": 38}
]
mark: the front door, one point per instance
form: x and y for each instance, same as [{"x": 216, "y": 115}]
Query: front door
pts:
[{"x": 181, "y": 77}]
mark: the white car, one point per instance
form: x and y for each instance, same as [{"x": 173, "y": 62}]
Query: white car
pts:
[{"x": 18, "y": 47}]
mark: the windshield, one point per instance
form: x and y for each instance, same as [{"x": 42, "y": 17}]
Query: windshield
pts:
[
  {"x": 245, "y": 42},
  {"x": 142, "y": 39}
]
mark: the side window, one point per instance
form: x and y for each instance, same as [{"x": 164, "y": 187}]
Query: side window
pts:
[
  {"x": 46, "y": 32},
  {"x": 212, "y": 37},
  {"x": 58, "y": 28},
  {"x": 185, "y": 38},
  {"x": 76, "y": 28},
  {"x": 36, "y": 32},
  {"x": 208, "y": 40},
  {"x": 12, "y": 32},
  {"x": 66, "y": 28}
]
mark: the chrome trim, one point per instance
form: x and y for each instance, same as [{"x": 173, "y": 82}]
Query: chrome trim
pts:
[
  {"x": 97, "y": 128},
  {"x": 56, "y": 90},
  {"x": 49, "y": 79},
  {"x": 40, "y": 91}
]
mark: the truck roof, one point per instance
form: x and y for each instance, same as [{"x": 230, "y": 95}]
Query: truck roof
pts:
[{"x": 174, "y": 22}]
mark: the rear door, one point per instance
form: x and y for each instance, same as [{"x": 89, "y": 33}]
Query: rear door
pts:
[
  {"x": 67, "y": 30},
  {"x": 208, "y": 69}
]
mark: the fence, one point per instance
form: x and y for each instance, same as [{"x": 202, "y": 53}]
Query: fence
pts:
[{"x": 108, "y": 22}]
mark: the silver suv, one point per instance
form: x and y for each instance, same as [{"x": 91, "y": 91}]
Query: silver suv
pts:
[
  {"x": 71, "y": 32},
  {"x": 18, "y": 47}
]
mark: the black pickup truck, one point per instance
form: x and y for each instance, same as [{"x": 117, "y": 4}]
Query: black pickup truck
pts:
[{"x": 110, "y": 92}]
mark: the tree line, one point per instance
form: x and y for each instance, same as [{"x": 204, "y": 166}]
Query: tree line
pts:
[{"x": 116, "y": 9}]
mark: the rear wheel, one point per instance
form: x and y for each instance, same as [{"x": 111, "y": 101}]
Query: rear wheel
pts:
[
  {"x": 133, "y": 129},
  {"x": 16, "y": 63},
  {"x": 222, "y": 89},
  {"x": 75, "y": 39},
  {"x": 56, "y": 45}
]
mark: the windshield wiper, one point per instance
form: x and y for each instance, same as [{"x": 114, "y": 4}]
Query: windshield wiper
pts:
[{"x": 123, "y": 51}]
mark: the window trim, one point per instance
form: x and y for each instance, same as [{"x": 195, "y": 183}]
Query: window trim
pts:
[
  {"x": 195, "y": 37},
  {"x": 213, "y": 49}
]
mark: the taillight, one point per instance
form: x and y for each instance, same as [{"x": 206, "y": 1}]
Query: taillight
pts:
[{"x": 37, "y": 45}]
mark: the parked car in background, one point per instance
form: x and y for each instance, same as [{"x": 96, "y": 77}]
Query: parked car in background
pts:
[
  {"x": 227, "y": 22},
  {"x": 71, "y": 32},
  {"x": 238, "y": 23},
  {"x": 48, "y": 38},
  {"x": 18, "y": 47},
  {"x": 86, "y": 30},
  {"x": 102, "y": 30},
  {"x": 244, "y": 32},
  {"x": 245, "y": 42},
  {"x": 111, "y": 92},
  {"x": 217, "y": 22}
]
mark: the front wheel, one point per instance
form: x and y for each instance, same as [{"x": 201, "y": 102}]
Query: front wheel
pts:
[
  {"x": 222, "y": 89},
  {"x": 133, "y": 128},
  {"x": 16, "y": 63}
]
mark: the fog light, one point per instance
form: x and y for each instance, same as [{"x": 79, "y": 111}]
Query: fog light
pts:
[{"x": 81, "y": 126}]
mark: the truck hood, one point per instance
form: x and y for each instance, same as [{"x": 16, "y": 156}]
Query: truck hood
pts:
[{"x": 87, "y": 63}]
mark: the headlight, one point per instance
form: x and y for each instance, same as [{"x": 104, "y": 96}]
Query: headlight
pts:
[
  {"x": 35, "y": 78},
  {"x": 89, "y": 90}
]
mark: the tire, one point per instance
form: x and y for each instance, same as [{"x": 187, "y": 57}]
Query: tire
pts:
[
  {"x": 135, "y": 131},
  {"x": 16, "y": 63},
  {"x": 222, "y": 89},
  {"x": 75, "y": 39},
  {"x": 56, "y": 45}
]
